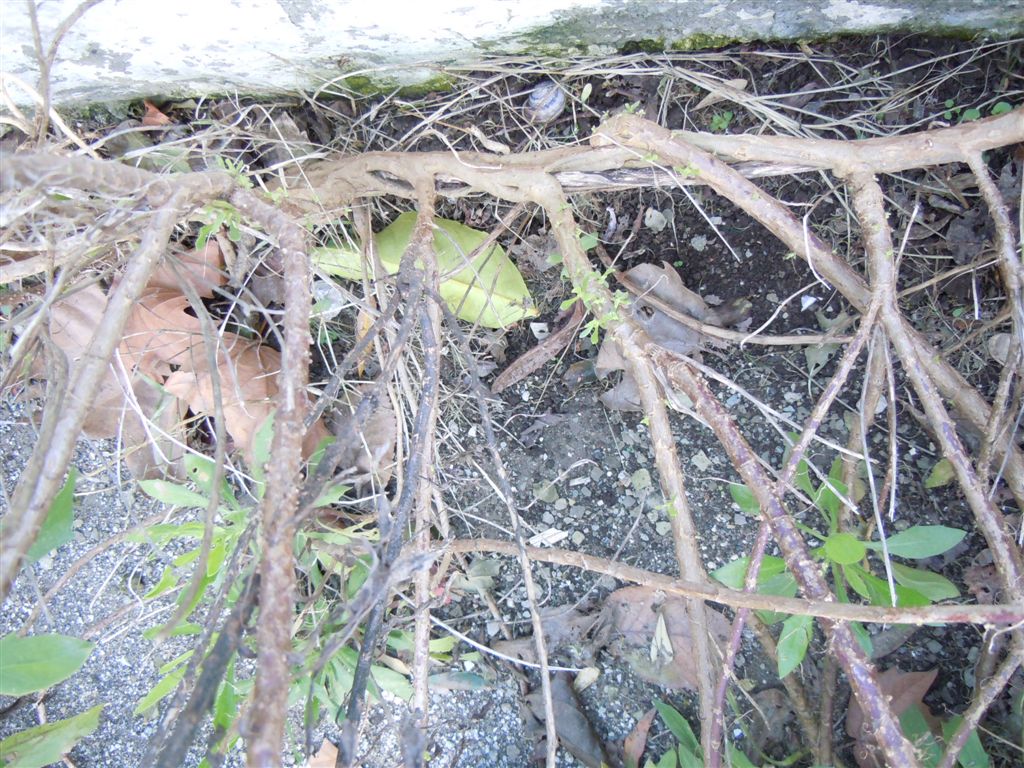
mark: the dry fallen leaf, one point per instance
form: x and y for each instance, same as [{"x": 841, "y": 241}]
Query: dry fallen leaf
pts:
[
  {"x": 160, "y": 333},
  {"x": 128, "y": 405},
  {"x": 770, "y": 714},
  {"x": 636, "y": 742},
  {"x": 247, "y": 371},
  {"x": 904, "y": 690},
  {"x": 372, "y": 454},
  {"x": 564, "y": 625},
  {"x": 982, "y": 581},
  {"x": 163, "y": 354},
  {"x": 202, "y": 267},
  {"x": 722, "y": 94},
  {"x": 664, "y": 284},
  {"x": 325, "y": 758},
  {"x": 575, "y": 733},
  {"x": 153, "y": 115},
  {"x": 631, "y": 618}
]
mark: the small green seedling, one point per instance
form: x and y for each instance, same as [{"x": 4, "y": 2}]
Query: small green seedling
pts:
[
  {"x": 846, "y": 553},
  {"x": 217, "y": 214},
  {"x": 961, "y": 115},
  {"x": 720, "y": 121},
  {"x": 688, "y": 753}
]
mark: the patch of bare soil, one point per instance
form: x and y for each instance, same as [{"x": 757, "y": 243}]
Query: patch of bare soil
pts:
[{"x": 582, "y": 475}]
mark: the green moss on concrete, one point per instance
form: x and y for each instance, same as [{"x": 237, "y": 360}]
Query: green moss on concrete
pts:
[
  {"x": 440, "y": 83},
  {"x": 643, "y": 46},
  {"x": 363, "y": 85},
  {"x": 704, "y": 42}
]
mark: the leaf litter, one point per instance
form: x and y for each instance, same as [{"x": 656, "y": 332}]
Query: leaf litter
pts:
[{"x": 163, "y": 371}]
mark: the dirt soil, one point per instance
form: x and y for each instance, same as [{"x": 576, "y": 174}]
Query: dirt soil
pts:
[{"x": 579, "y": 470}]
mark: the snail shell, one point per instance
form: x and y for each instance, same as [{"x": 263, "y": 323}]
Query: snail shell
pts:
[{"x": 546, "y": 102}]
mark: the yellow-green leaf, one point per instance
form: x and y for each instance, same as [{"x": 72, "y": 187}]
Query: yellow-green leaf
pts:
[
  {"x": 47, "y": 744},
  {"x": 942, "y": 474},
  {"x": 487, "y": 289},
  {"x": 36, "y": 662},
  {"x": 58, "y": 528}
]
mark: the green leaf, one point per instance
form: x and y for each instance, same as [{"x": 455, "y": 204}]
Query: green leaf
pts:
[
  {"x": 47, "y": 744},
  {"x": 225, "y": 706},
  {"x": 916, "y": 729},
  {"x": 793, "y": 642},
  {"x": 393, "y": 682},
  {"x": 172, "y": 493},
  {"x": 679, "y": 727},
  {"x": 876, "y": 590},
  {"x": 58, "y": 527},
  {"x": 168, "y": 581},
  {"x": 202, "y": 469},
  {"x": 745, "y": 499},
  {"x": 34, "y": 663},
  {"x": 185, "y": 628},
  {"x": 931, "y": 585},
  {"x": 1001, "y": 108},
  {"x": 261, "y": 445},
  {"x": 739, "y": 758},
  {"x": 487, "y": 290},
  {"x": 588, "y": 241},
  {"x": 457, "y": 681},
  {"x": 734, "y": 574},
  {"x": 863, "y": 637},
  {"x": 973, "y": 754},
  {"x": 163, "y": 688},
  {"x": 802, "y": 478},
  {"x": 332, "y": 495},
  {"x": 921, "y": 541},
  {"x": 941, "y": 474},
  {"x": 844, "y": 548},
  {"x": 827, "y": 500},
  {"x": 443, "y": 644},
  {"x": 772, "y": 579}
]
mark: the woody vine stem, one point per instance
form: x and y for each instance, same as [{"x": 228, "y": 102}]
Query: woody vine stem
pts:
[{"x": 623, "y": 148}]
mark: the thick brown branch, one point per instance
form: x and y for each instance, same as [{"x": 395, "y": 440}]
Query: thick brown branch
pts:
[{"x": 280, "y": 502}]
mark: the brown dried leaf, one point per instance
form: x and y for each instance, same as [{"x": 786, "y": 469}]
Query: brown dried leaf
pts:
[
  {"x": 665, "y": 284},
  {"x": 904, "y": 690},
  {"x": 982, "y": 582},
  {"x": 160, "y": 333},
  {"x": 652, "y": 631},
  {"x": 325, "y": 758},
  {"x": 564, "y": 625},
  {"x": 248, "y": 382},
  {"x": 574, "y": 730},
  {"x": 372, "y": 454},
  {"x": 636, "y": 742},
  {"x": 151, "y": 449},
  {"x": 202, "y": 267},
  {"x": 772, "y": 712},
  {"x": 153, "y": 115}
]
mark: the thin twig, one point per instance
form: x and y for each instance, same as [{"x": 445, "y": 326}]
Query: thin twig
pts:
[{"x": 1007, "y": 615}]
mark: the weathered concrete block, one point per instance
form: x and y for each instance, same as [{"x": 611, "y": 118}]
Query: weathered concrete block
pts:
[{"x": 129, "y": 48}]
